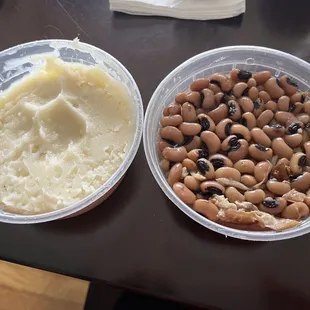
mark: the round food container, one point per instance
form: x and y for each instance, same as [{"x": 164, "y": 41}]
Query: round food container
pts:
[
  {"x": 18, "y": 61},
  {"x": 250, "y": 58}
]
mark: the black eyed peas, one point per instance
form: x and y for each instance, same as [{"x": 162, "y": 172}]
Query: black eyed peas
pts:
[{"x": 240, "y": 141}]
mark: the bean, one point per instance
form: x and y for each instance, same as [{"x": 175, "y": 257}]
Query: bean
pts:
[
  {"x": 264, "y": 96},
  {"x": 248, "y": 180},
  {"x": 271, "y": 105},
  {"x": 174, "y": 108},
  {"x": 171, "y": 120},
  {"x": 188, "y": 112},
  {"x": 278, "y": 188},
  {"x": 295, "y": 211},
  {"x": 186, "y": 195},
  {"x": 296, "y": 108},
  {"x": 219, "y": 160},
  {"x": 261, "y": 170},
  {"x": 302, "y": 182},
  {"x": 164, "y": 165},
  {"x": 194, "y": 98},
  {"x": 192, "y": 183},
  {"x": 181, "y": 98},
  {"x": 200, "y": 84},
  {"x": 211, "y": 140},
  {"x": 175, "y": 174},
  {"x": 175, "y": 154},
  {"x": 225, "y": 82},
  {"x": 234, "y": 110},
  {"x": 239, "y": 88},
  {"x": 227, "y": 172},
  {"x": 222, "y": 129},
  {"x": 273, "y": 89},
  {"x": 303, "y": 117},
  {"x": 234, "y": 75},
  {"x": 251, "y": 83},
  {"x": 212, "y": 187},
  {"x": 259, "y": 107},
  {"x": 307, "y": 201},
  {"x": 239, "y": 151},
  {"x": 284, "y": 103},
  {"x": 219, "y": 113},
  {"x": 293, "y": 140},
  {"x": 208, "y": 98},
  {"x": 172, "y": 133},
  {"x": 206, "y": 208},
  {"x": 214, "y": 87},
  {"x": 284, "y": 117},
  {"x": 262, "y": 77},
  {"x": 281, "y": 149},
  {"x": 206, "y": 122},
  {"x": 274, "y": 131},
  {"x": 299, "y": 97},
  {"x": 194, "y": 143},
  {"x": 307, "y": 107},
  {"x": 245, "y": 166},
  {"x": 244, "y": 75},
  {"x": 260, "y": 152},
  {"x": 190, "y": 129},
  {"x": 195, "y": 154},
  {"x": 219, "y": 98},
  {"x": 305, "y": 137},
  {"x": 260, "y": 137},
  {"x": 189, "y": 164},
  {"x": 229, "y": 142},
  {"x": 307, "y": 150},
  {"x": 298, "y": 161},
  {"x": 233, "y": 195},
  {"x": 265, "y": 118},
  {"x": 246, "y": 104},
  {"x": 162, "y": 145},
  {"x": 273, "y": 205},
  {"x": 240, "y": 130},
  {"x": 165, "y": 111},
  {"x": 288, "y": 85},
  {"x": 248, "y": 120},
  {"x": 241, "y": 75},
  {"x": 205, "y": 167},
  {"x": 255, "y": 196},
  {"x": 253, "y": 93}
]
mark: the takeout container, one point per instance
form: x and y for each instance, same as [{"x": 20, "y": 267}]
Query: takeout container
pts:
[
  {"x": 22, "y": 59},
  {"x": 250, "y": 58}
]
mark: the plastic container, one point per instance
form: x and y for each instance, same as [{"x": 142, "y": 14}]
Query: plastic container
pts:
[
  {"x": 251, "y": 58},
  {"x": 18, "y": 61}
]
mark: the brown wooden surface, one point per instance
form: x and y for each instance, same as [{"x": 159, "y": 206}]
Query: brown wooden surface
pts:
[
  {"x": 24, "y": 288},
  {"x": 137, "y": 238}
]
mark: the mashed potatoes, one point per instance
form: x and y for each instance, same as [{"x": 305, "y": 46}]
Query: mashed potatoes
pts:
[{"x": 64, "y": 130}]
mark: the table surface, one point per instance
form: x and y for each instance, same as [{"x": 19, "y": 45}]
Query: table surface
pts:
[{"x": 137, "y": 238}]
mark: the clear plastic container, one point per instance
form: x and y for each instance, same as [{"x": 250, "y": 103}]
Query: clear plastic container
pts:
[
  {"x": 20, "y": 60},
  {"x": 251, "y": 58}
]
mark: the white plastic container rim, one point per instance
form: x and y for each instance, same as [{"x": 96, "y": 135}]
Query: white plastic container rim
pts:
[
  {"x": 119, "y": 173},
  {"x": 162, "y": 182}
]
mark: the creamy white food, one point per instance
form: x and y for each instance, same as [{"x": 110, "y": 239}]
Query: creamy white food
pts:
[{"x": 64, "y": 130}]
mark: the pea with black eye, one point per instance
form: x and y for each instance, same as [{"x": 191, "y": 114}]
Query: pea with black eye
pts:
[
  {"x": 234, "y": 110},
  {"x": 220, "y": 160},
  {"x": 244, "y": 75},
  {"x": 205, "y": 167},
  {"x": 297, "y": 162},
  {"x": 273, "y": 205},
  {"x": 260, "y": 152},
  {"x": 206, "y": 122}
]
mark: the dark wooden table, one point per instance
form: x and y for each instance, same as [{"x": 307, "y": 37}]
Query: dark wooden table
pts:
[{"x": 137, "y": 239}]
